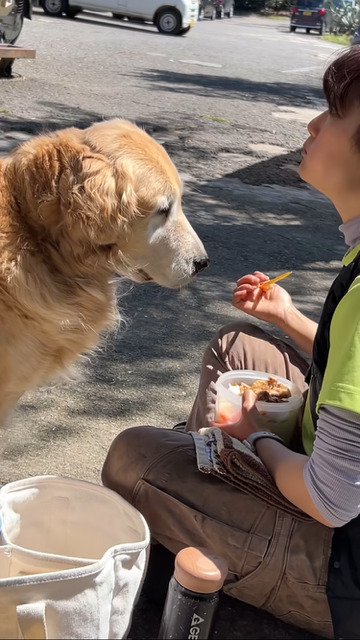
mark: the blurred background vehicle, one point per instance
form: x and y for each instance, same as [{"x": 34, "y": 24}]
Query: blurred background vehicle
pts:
[
  {"x": 216, "y": 9},
  {"x": 12, "y": 14},
  {"x": 171, "y": 17},
  {"x": 224, "y": 8},
  {"x": 309, "y": 15},
  {"x": 207, "y": 9}
]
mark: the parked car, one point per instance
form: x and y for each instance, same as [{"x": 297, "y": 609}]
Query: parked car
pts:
[
  {"x": 216, "y": 9},
  {"x": 309, "y": 15},
  {"x": 172, "y": 17}
]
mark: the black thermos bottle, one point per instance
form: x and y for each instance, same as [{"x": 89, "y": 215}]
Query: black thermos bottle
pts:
[{"x": 193, "y": 595}]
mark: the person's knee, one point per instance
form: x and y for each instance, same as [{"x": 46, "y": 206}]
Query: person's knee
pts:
[
  {"x": 231, "y": 337},
  {"x": 127, "y": 459},
  {"x": 238, "y": 327}
]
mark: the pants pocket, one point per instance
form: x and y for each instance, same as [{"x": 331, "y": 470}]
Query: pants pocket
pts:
[
  {"x": 176, "y": 525},
  {"x": 301, "y": 595},
  {"x": 259, "y": 587}
]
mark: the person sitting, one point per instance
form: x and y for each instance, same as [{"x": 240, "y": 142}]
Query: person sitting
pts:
[{"x": 303, "y": 570}]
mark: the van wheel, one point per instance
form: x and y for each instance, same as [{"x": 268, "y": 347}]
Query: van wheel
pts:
[
  {"x": 53, "y": 8},
  {"x": 168, "y": 21},
  {"x": 292, "y": 29}
]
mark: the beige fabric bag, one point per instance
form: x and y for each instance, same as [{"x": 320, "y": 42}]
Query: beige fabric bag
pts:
[{"x": 72, "y": 559}]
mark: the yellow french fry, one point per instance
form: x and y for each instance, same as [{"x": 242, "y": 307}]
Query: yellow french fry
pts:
[{"x": 265, "y": 286}]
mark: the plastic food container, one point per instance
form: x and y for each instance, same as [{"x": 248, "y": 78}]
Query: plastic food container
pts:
[{"x": 281, "y": 415}]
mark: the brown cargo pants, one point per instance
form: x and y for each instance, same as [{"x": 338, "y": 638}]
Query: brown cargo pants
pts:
[{"x": 276, "y": 562}]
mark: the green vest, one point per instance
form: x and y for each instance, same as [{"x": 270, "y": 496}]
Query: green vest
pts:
[{"x": 343, "y": 584}]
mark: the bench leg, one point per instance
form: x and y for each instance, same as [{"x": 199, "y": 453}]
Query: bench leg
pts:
[{"x": 6, "y": 65}]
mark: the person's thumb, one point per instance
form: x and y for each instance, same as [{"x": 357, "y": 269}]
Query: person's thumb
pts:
[{"x": 248, "y": 400}]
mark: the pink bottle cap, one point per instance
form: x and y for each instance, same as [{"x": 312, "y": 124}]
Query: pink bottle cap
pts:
[{"x": 200, "y": 570}]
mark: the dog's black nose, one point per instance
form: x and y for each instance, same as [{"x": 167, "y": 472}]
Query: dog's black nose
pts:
[{"x": 199, "y": 265}]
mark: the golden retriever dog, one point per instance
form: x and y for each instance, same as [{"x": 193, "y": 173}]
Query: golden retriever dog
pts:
[{"x": 77, "y": 208}]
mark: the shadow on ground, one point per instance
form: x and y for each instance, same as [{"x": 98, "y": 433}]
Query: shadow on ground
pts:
[
  {"x": 230, "y": 88},
  {"x": 280, "y": 170}
]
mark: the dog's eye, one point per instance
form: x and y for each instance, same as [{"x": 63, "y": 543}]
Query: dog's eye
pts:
[{"x": 165, "y": 210}]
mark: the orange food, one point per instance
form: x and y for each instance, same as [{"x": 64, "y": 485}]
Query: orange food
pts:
[
  {"x": 265, "y": 286},
  {"x": 269, "y": 390}
]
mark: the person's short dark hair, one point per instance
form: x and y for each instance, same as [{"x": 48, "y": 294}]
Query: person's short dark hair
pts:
[{"x": 341, "y": 82}]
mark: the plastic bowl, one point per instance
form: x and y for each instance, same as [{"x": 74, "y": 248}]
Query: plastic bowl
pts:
[{"x": 281, "y": 416}]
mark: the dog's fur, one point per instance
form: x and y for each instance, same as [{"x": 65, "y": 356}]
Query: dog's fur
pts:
[{"x": 77, "y": 208}]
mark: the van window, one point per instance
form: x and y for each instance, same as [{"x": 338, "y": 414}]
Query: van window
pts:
[{"x": 308, "y": 4}]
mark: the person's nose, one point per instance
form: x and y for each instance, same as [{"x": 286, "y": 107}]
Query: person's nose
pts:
[{"x": 316, "y": 123}]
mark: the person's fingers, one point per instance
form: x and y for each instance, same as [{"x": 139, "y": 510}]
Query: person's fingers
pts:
[
  {"x": 250, "y": 412},
  {"x": 246, "y": 286},
  {"x": 224, "y": 425},
  {"x": 241, "y": 296},
  {"x": 246, "y": 292},
  {"x": 253, "y": 278},
  {"x": 250, "y": 278},
  {"x": 231, "y": 428},
  {"x": 249, "y": 401},
  {"x": 261, "y": 276}
]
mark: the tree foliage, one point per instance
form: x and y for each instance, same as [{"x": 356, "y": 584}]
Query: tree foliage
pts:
[
  {"x": 345, "y": 16},
  {"x": 262, "y": 6}
]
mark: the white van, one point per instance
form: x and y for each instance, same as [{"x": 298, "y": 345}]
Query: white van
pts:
[{"x": 173, "y": 17}]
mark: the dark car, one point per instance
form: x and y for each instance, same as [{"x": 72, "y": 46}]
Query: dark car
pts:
[
  {"x": 216, "y": 9},
  {"x": 309, "y": 15}
]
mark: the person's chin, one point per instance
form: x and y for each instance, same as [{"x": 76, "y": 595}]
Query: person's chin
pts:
[
  {"x": 302, "y": 171},
  {"x": 304, "y": 175}
]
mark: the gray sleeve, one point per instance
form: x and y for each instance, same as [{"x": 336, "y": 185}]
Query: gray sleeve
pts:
[{"x": 332, "y": 474}]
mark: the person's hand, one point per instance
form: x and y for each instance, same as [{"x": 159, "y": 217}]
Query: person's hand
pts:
[
  {"x": 250, "y": 422},
  {"x": 271, "y": 305}
]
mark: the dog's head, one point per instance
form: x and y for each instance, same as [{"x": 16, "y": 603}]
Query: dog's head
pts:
[{"x": 108, "y": 198}]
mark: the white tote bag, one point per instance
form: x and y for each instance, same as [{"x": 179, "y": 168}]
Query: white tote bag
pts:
[{"x": 72, "y": 560}]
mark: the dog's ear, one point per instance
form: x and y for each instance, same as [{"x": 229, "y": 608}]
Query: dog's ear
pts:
[
  {"x": 67, "y": 188},
  {"x": 89, "y": 201}
]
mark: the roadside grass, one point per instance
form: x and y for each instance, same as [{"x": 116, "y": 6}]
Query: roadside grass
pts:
[
  {"x": 343, "y": 39},
  {"x": 277, "y": 16}
]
